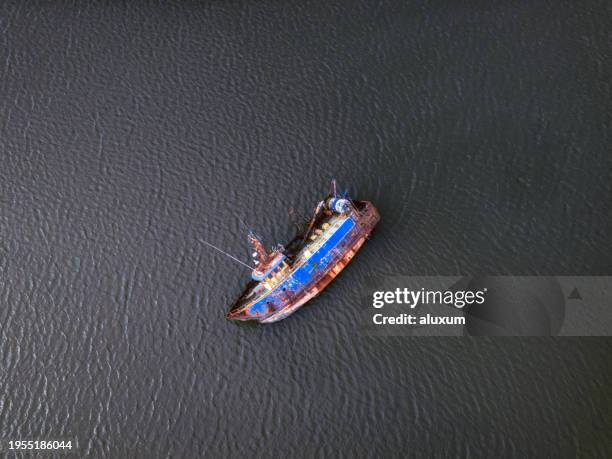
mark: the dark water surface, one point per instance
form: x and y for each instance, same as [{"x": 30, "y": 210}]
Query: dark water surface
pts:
[{"x": 481, "y": 132}]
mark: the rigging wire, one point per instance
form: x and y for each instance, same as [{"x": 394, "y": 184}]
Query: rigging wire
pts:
[{"x": 225, "y": 253}]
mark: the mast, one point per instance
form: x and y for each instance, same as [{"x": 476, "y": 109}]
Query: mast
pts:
[
  {"x": 334, "y": 193},
  {"x": 260, "y": 254}
]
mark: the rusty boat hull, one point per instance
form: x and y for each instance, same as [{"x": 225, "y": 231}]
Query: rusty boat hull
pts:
[{"x": 311, "y": 261}]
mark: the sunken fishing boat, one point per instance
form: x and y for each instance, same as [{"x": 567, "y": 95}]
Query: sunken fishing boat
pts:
[{"x": 287, "y": 277}]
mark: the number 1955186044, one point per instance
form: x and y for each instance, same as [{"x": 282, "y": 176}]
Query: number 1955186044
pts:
[{"x": 39, "y": 444}]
